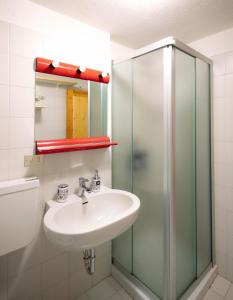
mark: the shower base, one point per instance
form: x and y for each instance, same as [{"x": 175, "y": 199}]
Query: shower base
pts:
[{"x": 140, "y": 292}]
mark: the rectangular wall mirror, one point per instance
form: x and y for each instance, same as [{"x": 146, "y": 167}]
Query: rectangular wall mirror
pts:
[{"x": 68, "y": 108}]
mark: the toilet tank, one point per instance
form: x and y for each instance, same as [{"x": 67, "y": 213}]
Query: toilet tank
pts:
[{"x": 19, "y": 208}]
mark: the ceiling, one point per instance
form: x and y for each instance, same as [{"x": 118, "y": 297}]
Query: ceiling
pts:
[{"x": 136, "y": 23}]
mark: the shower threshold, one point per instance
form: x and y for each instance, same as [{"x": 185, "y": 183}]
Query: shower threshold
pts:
[{"x": 140, "y": 292}]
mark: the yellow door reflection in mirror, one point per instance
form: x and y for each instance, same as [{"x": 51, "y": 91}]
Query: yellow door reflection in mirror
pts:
[{"x": 76, "y": 114}]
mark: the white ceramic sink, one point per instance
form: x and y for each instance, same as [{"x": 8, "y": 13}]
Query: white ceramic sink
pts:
[{"x": 73, "y": 225}]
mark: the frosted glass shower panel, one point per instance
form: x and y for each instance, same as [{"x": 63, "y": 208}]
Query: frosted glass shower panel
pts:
[
  {"x": 164, "y": 94},
  {"x": 203, "y": 171},
  {"x": 122, "y": 154},
  {"x": 184, "y": 137},
  {"x": 148, "y": 157}
]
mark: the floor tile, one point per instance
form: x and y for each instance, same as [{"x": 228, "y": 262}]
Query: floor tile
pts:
[
  {"x": 220, "y": 286},
  {"x": 229, "y": 295},
  {"x": 124, "y": 295},
  {"x": 116, "y": 297},
  {"x": 212, "y": 296},
  {"x": 83, "y": 297},
  {"x": 102, "y": 291},
  {"x": 113, "y": 283}
]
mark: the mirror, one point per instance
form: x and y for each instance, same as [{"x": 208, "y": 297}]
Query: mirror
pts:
[{"x": 69, "y": 108}]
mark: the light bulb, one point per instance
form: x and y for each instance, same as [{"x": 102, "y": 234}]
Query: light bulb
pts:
[
  {"x": 55, "y": 63},
  {"x": 103, "y": 74},
  {"x": 81, "y": 69}
]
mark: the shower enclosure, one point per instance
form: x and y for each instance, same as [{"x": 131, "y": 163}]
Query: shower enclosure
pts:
[{"x": 161, "y": 115}]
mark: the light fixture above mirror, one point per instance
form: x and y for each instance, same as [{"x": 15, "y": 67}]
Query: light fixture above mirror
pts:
[
  {"x": 70, "y": 107},
  {"x": 54, "y": 67}
]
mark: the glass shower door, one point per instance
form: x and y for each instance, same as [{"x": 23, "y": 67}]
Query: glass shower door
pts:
[
  {"x": 203, "y": 166},
  {"x": 177, "y": 237},
  {"x": 122, "y": 154},
  {"x": 148, "y": 162},
  {"x": 185, "y": 170}
]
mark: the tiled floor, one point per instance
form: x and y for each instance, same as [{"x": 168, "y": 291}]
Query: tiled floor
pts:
[
  {"x": 220, "y": 289},
  {"x": 108, "y": 289}
]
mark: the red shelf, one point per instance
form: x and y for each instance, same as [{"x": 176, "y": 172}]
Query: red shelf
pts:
[
  {"x": 68, "y": 145},
  {"x": 44, "y": 65}
]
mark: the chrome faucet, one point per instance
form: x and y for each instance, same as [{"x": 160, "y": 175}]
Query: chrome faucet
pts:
[{"x": 82, "y": 187}]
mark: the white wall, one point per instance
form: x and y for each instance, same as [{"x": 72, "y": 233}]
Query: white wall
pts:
[
  {"x": 220, "y": 48},
  {"x": 119, "y": 51},
  {"x": 215, "y": 44},
  {"x": 41, "y": 271}
]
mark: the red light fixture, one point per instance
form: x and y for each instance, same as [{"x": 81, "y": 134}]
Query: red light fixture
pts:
[{"x": 49, "y": 66}]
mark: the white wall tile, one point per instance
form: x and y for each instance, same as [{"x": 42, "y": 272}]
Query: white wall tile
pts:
[
  {"x": 4, "y": 163},
  {"x": 24, "y": 286},
  {"x": 4, "y": 37},
  {"x": 27, "y": 266},
  {"x": 219, "y": 130},
  {"x": 22, "y": 102},
  {"x": 103, "y": 249},
  {"x": 228, "y": 108},
  {"x": 229, "y": 86},
  {"x": 221, "y": 240},
  {"x": 228, "y": 152},
  {"x": 16, "y": 163},
  {"x": 54, "y": 270},
  {"x": 25, "y": 42},
  {"x": 219, "y": 65},
  {"x": 21, "y": 71},
  {"x": 220, "y": 152},
  {"x": 229, "y": 199},
  {"x": 219, "y": 175},
  {"x": 3, "y": 290},
  {"x": 75, "y": 261},
  {"x": 219, "y": 87},
  {"x": 4, "y": 70},
  {"x": 228, "y": 176},
  {"x": 220, "y": 196},
  {"x": 48, "y": 250},
  {"x": 103, "y": 268},
  {"x": 228, "y": 132},
  {"x": 36, "y": 297},
  {"x": 220, "y": 219},
  {"x": 79, "y": 283},
  {"x": 223, "y": 157},
  {"x": 24, "y": 258},
  {"x": 3, "y": 268},
  {"x": 58, "y": 291},
  {"x": 221, "y": 258},
  {"x": 218, "y": 106},
  {"x": 4, "y": 133},
  {"x": 229, "y": 62},
  {"x": 21, "y": 132},
  {"x": 4, "y": 101}
]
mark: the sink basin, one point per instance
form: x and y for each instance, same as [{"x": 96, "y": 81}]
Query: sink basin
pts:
[{"x": 73, "y": 225}]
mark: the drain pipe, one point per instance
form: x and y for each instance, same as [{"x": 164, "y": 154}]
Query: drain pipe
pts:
[{"x": 89, "y": 260}]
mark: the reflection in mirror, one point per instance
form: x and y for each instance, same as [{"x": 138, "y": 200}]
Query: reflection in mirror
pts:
[{"x": 69, "y": 108}]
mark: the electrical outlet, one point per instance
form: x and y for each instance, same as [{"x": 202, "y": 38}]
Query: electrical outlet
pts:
[{"x": 33, "y": 160}]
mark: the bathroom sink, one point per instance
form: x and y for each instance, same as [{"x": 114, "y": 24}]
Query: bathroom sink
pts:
[{"x": 74, "y": 225}]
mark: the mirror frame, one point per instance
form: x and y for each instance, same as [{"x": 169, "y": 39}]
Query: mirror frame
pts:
[{"x": 43, "y": 65}]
